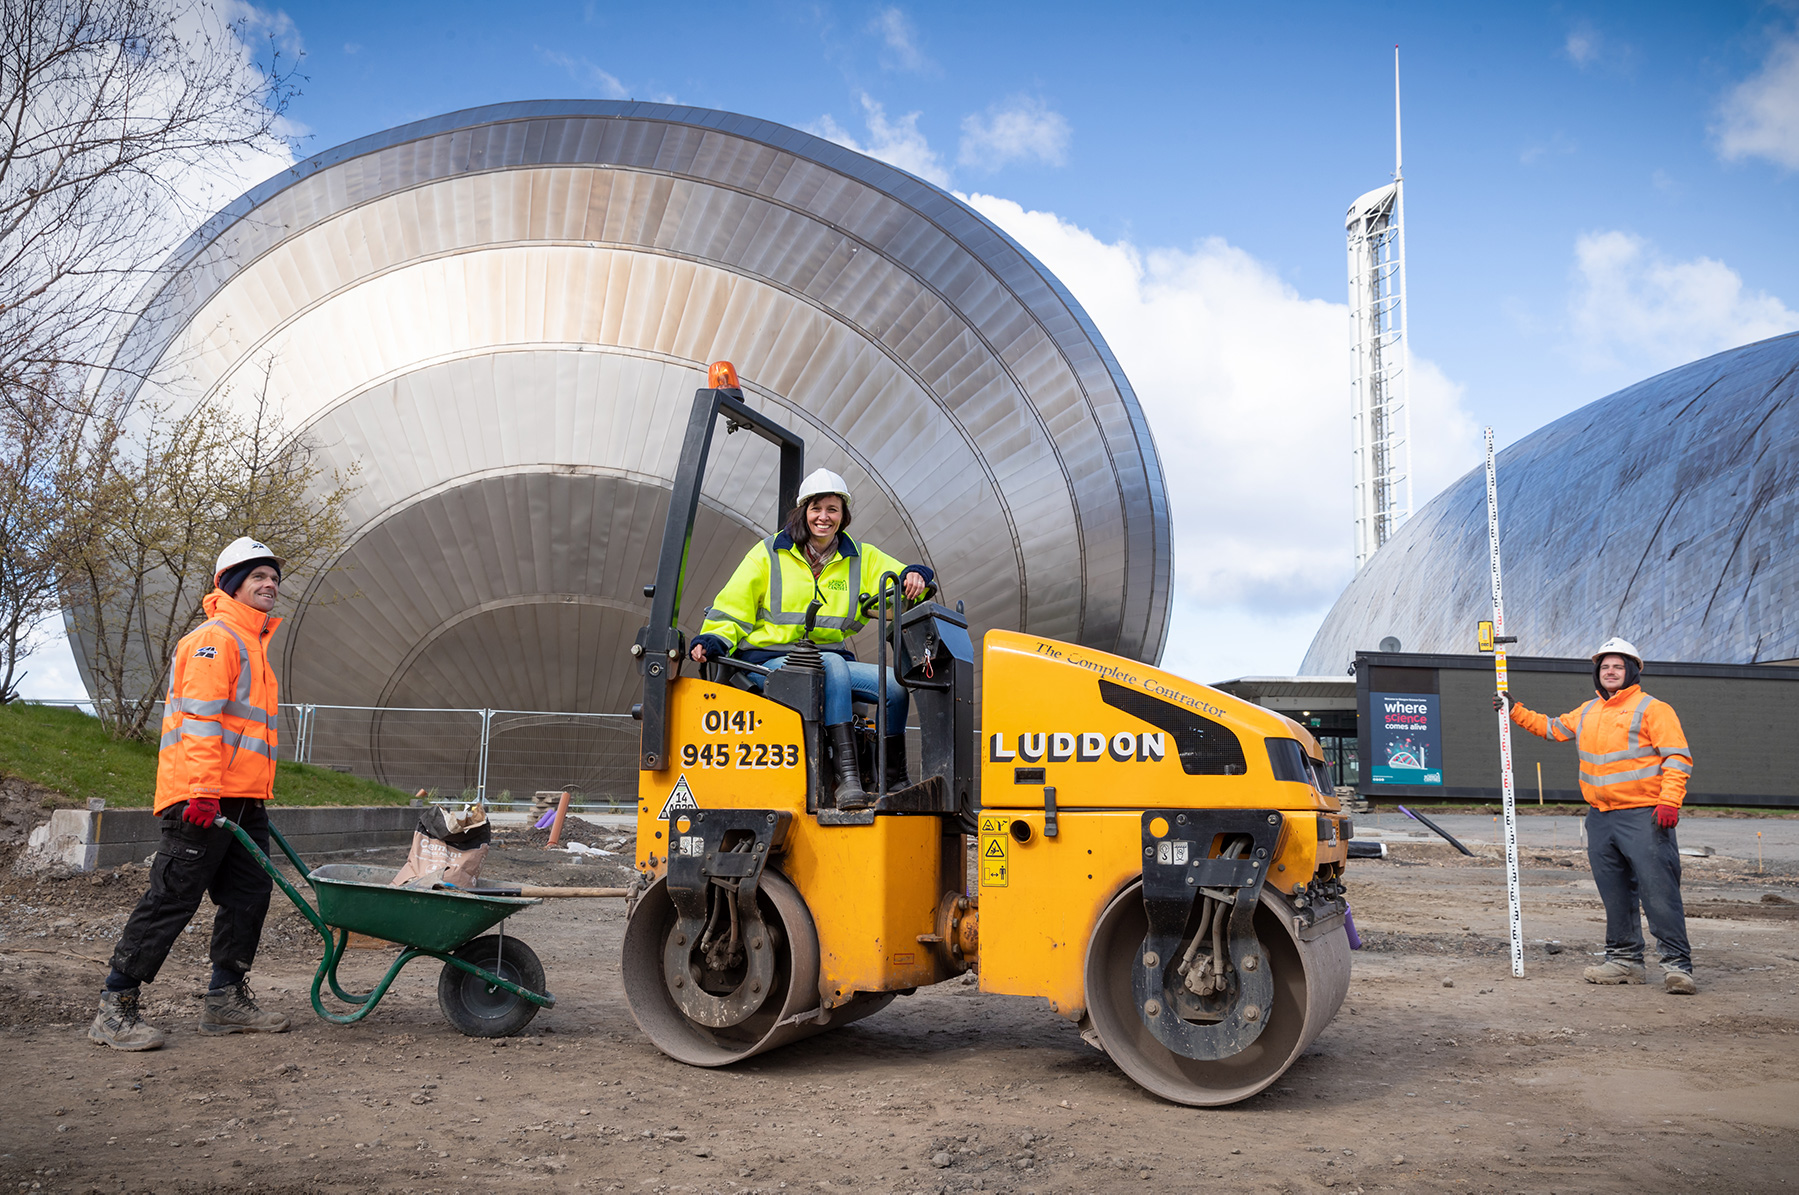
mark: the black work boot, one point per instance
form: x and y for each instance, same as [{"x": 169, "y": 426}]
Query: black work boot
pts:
[
  {"x": 850, "y": 795},
  {"x": 896, "y": 763}
]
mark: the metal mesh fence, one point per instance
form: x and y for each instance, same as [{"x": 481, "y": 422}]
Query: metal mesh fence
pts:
[
  {"x": 436, "y": 750},
  {"x": 595, "y": 755},
  {"x": 500, "y": 756}
]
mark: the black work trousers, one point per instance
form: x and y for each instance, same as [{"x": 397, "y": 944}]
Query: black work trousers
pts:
[
  {"x": 1637, "y": 863},
  {"x": 191, "y": 862}
]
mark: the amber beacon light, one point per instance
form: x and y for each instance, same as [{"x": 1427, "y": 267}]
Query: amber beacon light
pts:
[{"x": 722, "y": 375}]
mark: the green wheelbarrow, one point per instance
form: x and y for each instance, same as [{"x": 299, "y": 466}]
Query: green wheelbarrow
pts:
[{"x": 490, "y": 986}]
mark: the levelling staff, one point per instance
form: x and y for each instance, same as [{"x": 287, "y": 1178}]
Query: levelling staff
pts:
[
  {"x": 760, "y": 615},
  {"x": 218, "y": 756},
  {"x": 1634, "y": 764}
]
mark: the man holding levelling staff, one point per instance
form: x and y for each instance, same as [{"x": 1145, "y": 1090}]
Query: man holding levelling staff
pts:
[
  {"x": 218, "y": 756},
  {"x": 1634, "y": 764}
]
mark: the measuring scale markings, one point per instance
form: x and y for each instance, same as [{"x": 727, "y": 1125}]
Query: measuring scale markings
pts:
[{"x": 1505, "y": 723}]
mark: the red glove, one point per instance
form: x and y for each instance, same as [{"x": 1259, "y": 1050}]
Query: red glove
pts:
[
  {"x": 201, "y": 811},
  {"x": 1667, "y": 816}
]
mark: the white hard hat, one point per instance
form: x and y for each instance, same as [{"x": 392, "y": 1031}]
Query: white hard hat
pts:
[
  {"x": 1618, "y": 647},
  {"x": 241, "y": 549},
  {"x": 823, "y": 481}
]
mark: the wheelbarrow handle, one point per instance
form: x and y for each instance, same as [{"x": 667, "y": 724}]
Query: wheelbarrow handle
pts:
[
  {"x": 539, "y": 891},
  {"x": 256, "y": 853},
  {"x": 287, "y": 849}
]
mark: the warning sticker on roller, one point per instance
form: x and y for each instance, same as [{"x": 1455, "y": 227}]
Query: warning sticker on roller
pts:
[
  {"x": 680, "y": 797},
  {"x": 995, "y": 863}
]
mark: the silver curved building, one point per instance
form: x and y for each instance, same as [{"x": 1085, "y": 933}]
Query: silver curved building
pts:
[
  {"x": 1667, "y": 513},
  {"x": 503, "y": 313}
]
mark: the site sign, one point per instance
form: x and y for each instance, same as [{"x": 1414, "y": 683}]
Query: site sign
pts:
[
  {"x": 1407, "y": 735},
  {"x": 996, "y": 845}
]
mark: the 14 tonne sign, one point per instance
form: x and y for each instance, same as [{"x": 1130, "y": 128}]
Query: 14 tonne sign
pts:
[{"x": 1406, "y": 738}]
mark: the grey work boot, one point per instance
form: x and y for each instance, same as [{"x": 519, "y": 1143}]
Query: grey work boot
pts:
[
  {"x": 1678, "y": 983},
  {"x": 1615, "y": 971},
  {"x": 119, "y": 1025},
  {"x": 233, "y": 1010}
]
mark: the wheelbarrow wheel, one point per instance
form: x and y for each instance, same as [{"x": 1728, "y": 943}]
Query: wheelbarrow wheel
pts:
[{"x": 479, "y": 1009}]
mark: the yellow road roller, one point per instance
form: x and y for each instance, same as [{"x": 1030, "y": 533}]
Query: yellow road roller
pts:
[{"x": 1160, "y": 861}]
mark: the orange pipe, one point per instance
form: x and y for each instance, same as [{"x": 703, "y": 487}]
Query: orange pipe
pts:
[{"x": 561, "y": 812}]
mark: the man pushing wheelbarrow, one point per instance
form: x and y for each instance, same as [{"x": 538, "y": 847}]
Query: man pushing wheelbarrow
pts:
[
  {"x": 217, "y": 758},
  {"x": 214, "y": 776}
]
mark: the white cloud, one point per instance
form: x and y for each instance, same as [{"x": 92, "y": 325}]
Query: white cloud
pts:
[
  {"x": 253, "y": 37},
  {"x": 895, "y": 28},
  {"x": 1020, "y": 129},
  {"x": 1446, "y": 440},
  {"x": 1559, "y": 144},
  {"x": 1760, "y": 117},
  {"x": 1245, "y": 384},
  {"x": 587, "y": 74},
  {"x": 1590, "y": 49},
  {"x": 896, "y": 142},
  {"x": 273, "y": 25},
  {"x": 1632, "y": 306},
  {"x": 50, "y": 672},
  {"x": 1583, "y": 44},
  {"x": 1211, "y": 643}
]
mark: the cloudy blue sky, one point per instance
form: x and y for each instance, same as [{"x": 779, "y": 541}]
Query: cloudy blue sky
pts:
[{"x": 1595, "y": 193}]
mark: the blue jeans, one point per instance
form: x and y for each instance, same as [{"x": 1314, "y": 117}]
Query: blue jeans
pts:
[
  {"x": 847, "y": 681},
  {"x": 1636, "y": 862}
]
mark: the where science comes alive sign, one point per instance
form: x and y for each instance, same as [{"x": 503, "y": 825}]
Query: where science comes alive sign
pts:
[{"x": 1406, "y": 738}]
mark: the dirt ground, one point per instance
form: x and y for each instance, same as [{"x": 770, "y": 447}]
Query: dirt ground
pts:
[{"x": 1492, "y": 1084}]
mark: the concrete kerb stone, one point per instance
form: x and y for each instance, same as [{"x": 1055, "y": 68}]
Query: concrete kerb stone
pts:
[{"x": 80, "y": 840}]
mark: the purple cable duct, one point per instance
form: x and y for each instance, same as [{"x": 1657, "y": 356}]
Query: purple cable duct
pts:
[
  {"x": 1355, "y": 939},
  {"x": 543, "y": 823}
]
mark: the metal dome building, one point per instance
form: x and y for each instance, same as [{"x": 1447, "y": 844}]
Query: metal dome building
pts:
[
  {"x": 1667, "y": 513},
  {"x": 503, "y": 314}
]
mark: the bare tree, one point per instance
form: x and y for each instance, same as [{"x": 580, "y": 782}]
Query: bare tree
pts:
[
  {"x": 123, "y": 124},
  {"x": 113, "y": 115},
  {"x": 50, "y": 455},
  {"x": 179, "y": 490}
]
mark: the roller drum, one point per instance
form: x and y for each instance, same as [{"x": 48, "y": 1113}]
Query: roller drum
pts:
[
  {"x": 1310, "y": 982},
  {"x": 793, "y": 991}
]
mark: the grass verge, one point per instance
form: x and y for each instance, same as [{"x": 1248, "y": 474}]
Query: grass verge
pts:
[{"x": 69, "y": 752}]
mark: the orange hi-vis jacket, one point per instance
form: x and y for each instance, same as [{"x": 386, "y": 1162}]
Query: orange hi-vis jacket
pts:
[
  {"x": 1633, "y": 752},
  {"x": 219, "y": 722}
]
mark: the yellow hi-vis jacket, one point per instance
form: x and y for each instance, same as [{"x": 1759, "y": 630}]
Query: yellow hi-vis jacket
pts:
[
  {"x": 219, "y": 721},
  {"x": 763, "y": 606},
  {"x": 1632, "y": 750}
]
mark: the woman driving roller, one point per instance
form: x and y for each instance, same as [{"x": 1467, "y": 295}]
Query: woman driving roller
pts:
[{"x": 761, "y": 613}]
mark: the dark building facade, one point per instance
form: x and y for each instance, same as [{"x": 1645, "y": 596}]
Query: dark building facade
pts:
[{"x": 1436, "y": 712}]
